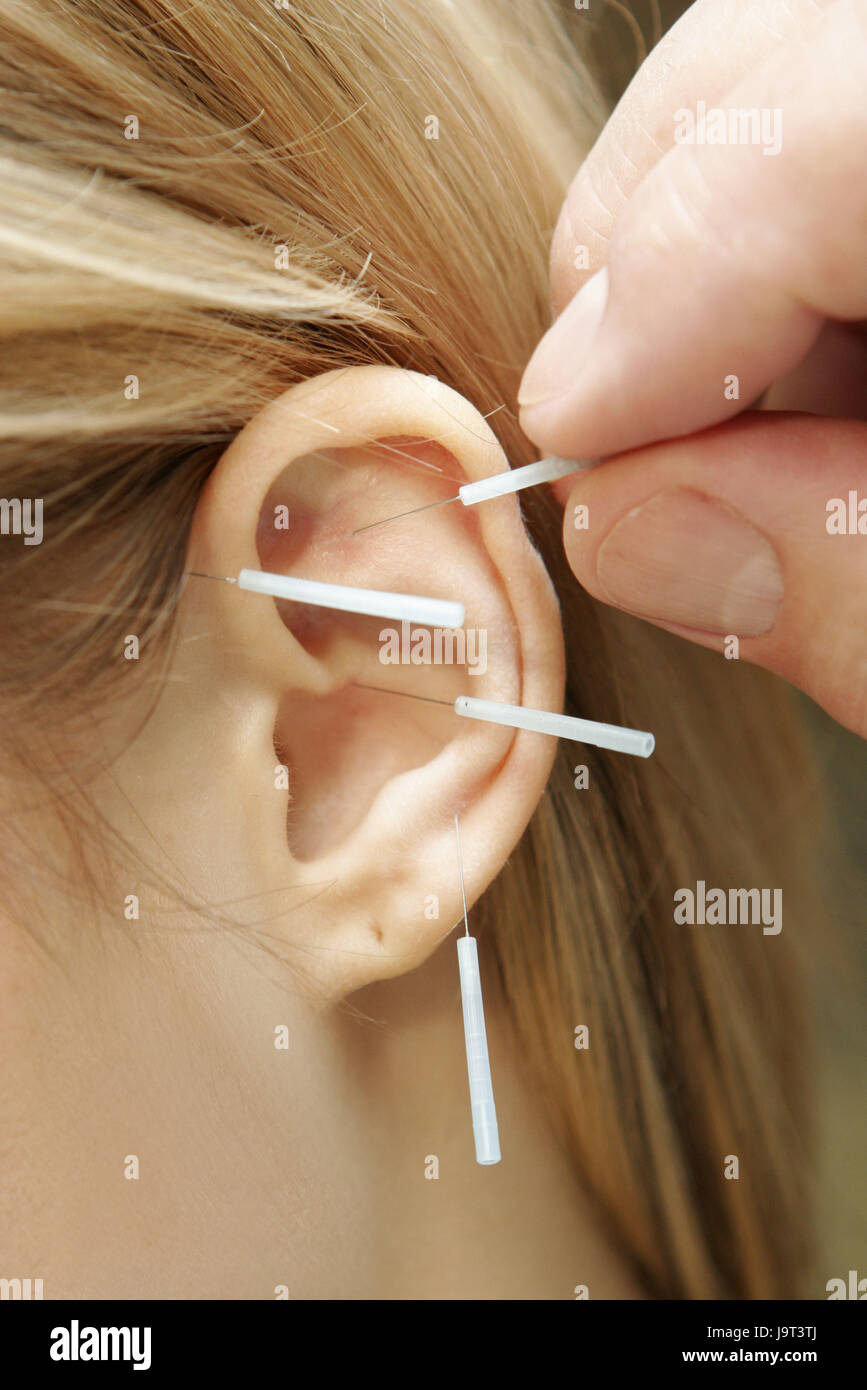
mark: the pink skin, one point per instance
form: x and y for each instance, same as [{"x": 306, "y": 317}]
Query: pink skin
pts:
[{"x": 718, "y": 276}]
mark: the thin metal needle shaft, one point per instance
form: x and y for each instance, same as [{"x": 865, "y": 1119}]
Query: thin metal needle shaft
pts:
[
  {"x": 223, "y": 578},
  {"x": 405, "y": 693},
  {"x": 461, "y": 868},
  {"x": 386, "y": 519}
]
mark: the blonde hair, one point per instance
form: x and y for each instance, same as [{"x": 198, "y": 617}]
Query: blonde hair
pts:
[{"x": 279, "y": 211}]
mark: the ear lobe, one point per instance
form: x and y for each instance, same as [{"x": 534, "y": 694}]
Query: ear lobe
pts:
[{"x": 374, "y": 780}]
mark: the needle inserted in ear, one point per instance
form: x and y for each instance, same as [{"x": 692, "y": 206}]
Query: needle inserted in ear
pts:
[
  {"x": 498, "y": 485},
  {"x": 428, "y": 699},
  {"x": 615, "y": 737},
  {"x": 484, "y": 1112},
  {"x": 374, "y": 603},
  {"x": 415, "y": 511}
]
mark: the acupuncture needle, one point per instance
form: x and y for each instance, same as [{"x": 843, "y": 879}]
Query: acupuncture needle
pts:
[
  {"x": 497, "y": 485},
  {"x": 615, "y": 737},
  {"x": 375, "y": 603},
  {"x": 482, "y": 1107}
]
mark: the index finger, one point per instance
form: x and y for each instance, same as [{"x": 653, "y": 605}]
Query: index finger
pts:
[
  {"x": 702, "y": 57},
  {"x": 724, "y": 264}
]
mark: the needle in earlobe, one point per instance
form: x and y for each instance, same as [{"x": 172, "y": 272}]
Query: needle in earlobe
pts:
[{"x": 484, "y": 1112}]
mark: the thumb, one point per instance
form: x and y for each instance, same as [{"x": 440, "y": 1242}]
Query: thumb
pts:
[
  {"x": 755, "y": 530},
  {"x": 724, "y": 262}
]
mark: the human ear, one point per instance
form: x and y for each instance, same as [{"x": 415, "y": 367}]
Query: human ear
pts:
[{"x": 353, "y": 847}]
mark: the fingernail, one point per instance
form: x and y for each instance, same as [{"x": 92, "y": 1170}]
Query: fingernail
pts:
[
  {"x": 685, "y": 558},
  {"x": 558, "y": 359}
]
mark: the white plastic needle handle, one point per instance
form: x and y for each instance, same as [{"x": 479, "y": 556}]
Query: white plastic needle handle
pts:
[
  {"x": 516, "y": 479},
  {"x": 512, "y": 480},
  {"x": 613, "y": 736},
  {"x": 484, "y": 1111},
  {"x": 376, "y": 603}
]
